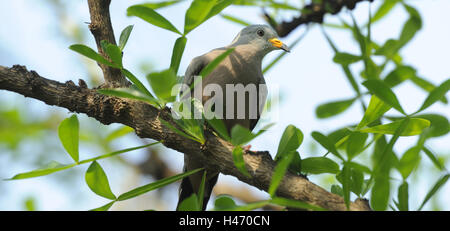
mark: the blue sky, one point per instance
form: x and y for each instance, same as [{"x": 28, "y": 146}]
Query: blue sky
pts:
[{"x": 306, "y": 77}]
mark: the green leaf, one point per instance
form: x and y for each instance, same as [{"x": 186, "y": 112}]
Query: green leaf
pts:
[
  {"x": 123, "y": 130},
  {"x": 137, "y": 83},
  {"x": 162, "y": 84},
  {"x": 357, "y": 181},
  {"x": 104, "y": 207},
  {"x": 380, "y": 194},
  {"x": 124, "y": 36},
  {"x": 224, "y": 202},
  {"x": 439, "y": 124},
  {"x": 382, "y": 91},
  {"x": 399, "y": 74},
  {"x": 346, "y": 58},
  {"x": 151, "y": 16},
  {"x": 355, "y": 144},
  {"x": 426, "y": 85},
  {"x": 176, "y": 130},
  {"x": 162, "y": 4},
  {"x": 201, "y": 190},
  {"x": 279, "y": 172},
  {"x": 412, "y": 25},
  {"x": 155, "y": 185},
  {"x": 409, "y": 161},
  {"x": 290, "y": 141},
  {"x": 68, "y": 132},
  {"x": 241, "y": 135},
  {"x": 189, "y": 204},
  {"x": 336, "y": 189},
  {"x": 219, "y": 126},
  {"x": 403, "y": 197},
  {"x": 415, "y": 126},
  {"x": 435, "y": 188},
  {"x": 130, "y": 94},
  {"x": 384, "y": 9},
  {"x": 294, "y": 204},
  {"x": 55, "y": 166},
  {"x": 219, "y": 7},
  {"x": 238, "y": 159},
  {"x": 346, "y": 184},
  {"x": 235, "y": 20},
  {"x": 49, "y": 169},
  {"x": 326, "y": 143},
  {"x": 215, "y": 62},
  {"x": 435, "y": 95},
  {"x": 319, "y": 165},
  {"x": 333, "y": 108},
  {"x": 197, "y": 14},
  {"x": 177, "y": 53},
  {"x": 114, "y": 53},
  {"x": 90, "y": 53},
  {"x": 433, "y": 158},
  {"x": 375, "y": 110},
  {"x": 98, "y": 182}
]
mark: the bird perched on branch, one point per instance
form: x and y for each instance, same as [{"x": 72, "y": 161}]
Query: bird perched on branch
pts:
[{"x": 243, "y": 66}]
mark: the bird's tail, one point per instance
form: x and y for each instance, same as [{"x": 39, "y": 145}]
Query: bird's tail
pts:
[{"x": 190, "y": 185}]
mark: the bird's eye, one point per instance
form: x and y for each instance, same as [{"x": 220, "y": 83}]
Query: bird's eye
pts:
[{"x": 260, "y": 33}]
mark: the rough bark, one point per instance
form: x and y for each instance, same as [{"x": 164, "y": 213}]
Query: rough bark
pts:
[
  {"x": 144, "y": 118},
  {"x": 102, "y": 29}
]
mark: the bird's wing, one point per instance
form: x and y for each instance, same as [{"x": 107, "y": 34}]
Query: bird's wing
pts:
[{"x": 195, "y": 67}]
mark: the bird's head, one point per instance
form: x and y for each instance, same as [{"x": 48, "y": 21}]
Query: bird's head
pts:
[{"x": 262, "y": 36}]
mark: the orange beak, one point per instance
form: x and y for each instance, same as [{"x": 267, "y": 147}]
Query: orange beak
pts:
[{"x": 278, "y": 44}]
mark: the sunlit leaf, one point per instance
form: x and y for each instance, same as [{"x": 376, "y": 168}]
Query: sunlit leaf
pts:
[
  {"x": 238, "y": 159},
  {"x": 128, "y": 93},
  {"x": 435, "y": 95},
  {"x": 414, "y": 127},
  {"x": 189, "y": 204},
  {"x": 383, "y": 92},
  {"x": 90, "y": 53},
  {"x": 433, "y": 190},
  {"x": 290, "y": 141},
  {"x": 375, "y": 110},
  {"x": 137, "y": 83},
  {"x": 68, "y": 132},
  {"x": 279, "y": 172},
  {"x": 409, "y": 161},
  {"x": 326, "y": 143},
  {"x": 155, "y": 185},
  {"x": 355, "y": 143},
  {"x": 151, "y": 16},
  {"x": 346, "y": 58},
  {"x": 333, "y": 108},
  {"x": 319, "y": 165},
  {"x": 197, "y": 13},
  {"x": 98, "y": 182},
  {"x": 104, "y": 207},
  {"x": 177, "y": 53},
  {"x": 124, "y": 36},
  {"x": 235, "y": 19},
  {"x": 52, "y": 167},
  {"x": 403, "y": 197},
  {"x": 162, "y": 84}
]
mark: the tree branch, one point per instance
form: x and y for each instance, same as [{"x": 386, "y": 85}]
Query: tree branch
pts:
[
  {"x": 215, "y": 154},
  {"x": 313, "y": 12},
  {"x": 101, "y": 28}
]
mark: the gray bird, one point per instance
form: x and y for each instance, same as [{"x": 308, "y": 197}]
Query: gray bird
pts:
[{"x": 242, "y": 66}]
